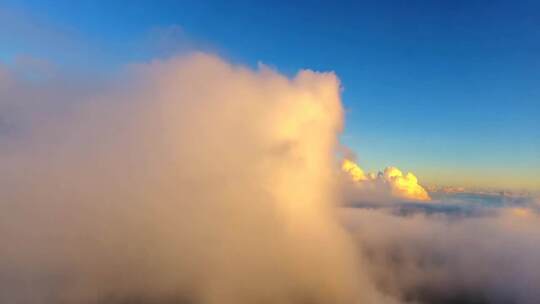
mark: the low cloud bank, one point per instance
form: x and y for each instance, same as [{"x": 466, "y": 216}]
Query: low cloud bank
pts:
[{"x": 440, "y": 258}]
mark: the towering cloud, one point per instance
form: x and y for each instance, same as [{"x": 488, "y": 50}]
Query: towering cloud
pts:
[
  {"x": 186, "y": 179},
  {"x": 392, "y": 182}
]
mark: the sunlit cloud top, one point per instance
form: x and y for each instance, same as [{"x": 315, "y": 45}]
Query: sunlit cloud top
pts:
[{"x": 401, "y": 186}]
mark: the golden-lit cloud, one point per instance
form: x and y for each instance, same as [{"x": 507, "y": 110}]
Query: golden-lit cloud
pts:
[
  {"x": 401, "y": 186},
  {"x": 356, "y": 173},
  {"x": 189, "y": 177},
  {"x": 405, "y": 186}
]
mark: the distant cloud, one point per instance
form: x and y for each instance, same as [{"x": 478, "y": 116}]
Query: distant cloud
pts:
[{"x": 391, "y": 183}]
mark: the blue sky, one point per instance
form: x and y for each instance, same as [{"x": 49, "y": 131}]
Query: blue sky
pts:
[{"x": 449, "y": 90}]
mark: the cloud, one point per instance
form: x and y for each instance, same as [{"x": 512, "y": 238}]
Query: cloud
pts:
[
  {"x": 187, "y": 179},
  {"x": 391, "y": 183},
  {"x": 405, "y": 186},
  {"x": 424, "y": 258},
  {"x": 192, "y": 180},
  {"x": 466, "y": 247}
]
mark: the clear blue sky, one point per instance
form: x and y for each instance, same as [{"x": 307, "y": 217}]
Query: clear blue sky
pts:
[{"x": 449, "y": 90}]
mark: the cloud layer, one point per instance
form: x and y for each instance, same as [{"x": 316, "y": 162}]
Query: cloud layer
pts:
[{"x": 440, "y": 258}]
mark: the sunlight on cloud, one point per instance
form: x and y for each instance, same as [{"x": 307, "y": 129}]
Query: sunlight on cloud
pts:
[
  {"x": 188, "y": 179},
  {"x": 399, "y": 185},
  {"x": 356, "y": 173}
]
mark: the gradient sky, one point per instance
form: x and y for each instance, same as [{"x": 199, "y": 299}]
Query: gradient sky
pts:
[{"x": 449, "y": 90}]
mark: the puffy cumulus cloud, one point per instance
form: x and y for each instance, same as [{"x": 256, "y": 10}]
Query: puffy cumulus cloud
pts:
[
  {"x": 356, "y": 173},
  {"x": 186, "y": 180},
  {"x": 390, "y": 184},
  {"x": 405, "y": 186}
]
